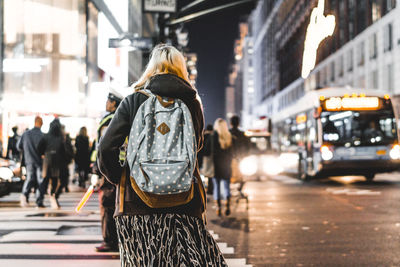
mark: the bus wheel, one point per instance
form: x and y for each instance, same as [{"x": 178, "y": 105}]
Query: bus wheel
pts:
[{"x": 369, "y": 177}]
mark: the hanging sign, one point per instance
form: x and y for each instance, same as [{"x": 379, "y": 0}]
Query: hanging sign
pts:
[
  {"x": 165, "y": 6},
  {"x": 319, "y": 28}
]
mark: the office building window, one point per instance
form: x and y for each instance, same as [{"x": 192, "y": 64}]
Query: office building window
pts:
[
  {"x": 373, "y": 46},
  {"x": 373, "y": 79},
  {"x": 361, "y": 81},
  {"x": 351, "y": 18},
  {"x": 361, "y": 53},
  {"x": 388, "y": 37},
  {"x": 341, "y": 66},
  {"x": 350, "y": 60},
  {"x": 388, "y": 80},
  {"x": 333, "y": 71},
  {"x": 390, "y": 4},
  {"x": 376, "y": 10}
]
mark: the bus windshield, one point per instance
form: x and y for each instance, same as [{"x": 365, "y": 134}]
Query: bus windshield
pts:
[{"x": 359, "y": 128}]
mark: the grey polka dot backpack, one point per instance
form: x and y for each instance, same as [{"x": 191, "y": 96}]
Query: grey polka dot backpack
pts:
[{"x": 161, "y": 152}]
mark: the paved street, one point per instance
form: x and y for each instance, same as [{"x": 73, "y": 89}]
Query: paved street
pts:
[
  {"x": 44, "y": 238},
  {"x": 342, "y": 221}
]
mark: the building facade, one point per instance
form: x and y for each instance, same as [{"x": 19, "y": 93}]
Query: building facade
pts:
[
  {"x": 60, "y": 64},
  {"x": 363, "y": 50}
]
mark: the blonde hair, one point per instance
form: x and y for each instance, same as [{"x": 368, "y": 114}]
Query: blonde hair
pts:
[
  {"x": 224, "y": 136},
  {"x": 163, "y": 59}
]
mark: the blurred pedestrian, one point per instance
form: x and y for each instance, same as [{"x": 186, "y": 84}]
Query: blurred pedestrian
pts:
[
  {"x": 68, "y": 157},
  {"x": 53, "y": 148},
  {"x": 165, "y": 235},
  {"x": 205, "y": 158},
  {"x": 28, "y": 145},
  {"x": 222, "y": 154},
  {"x": 12, "y": 150},
  {"x": 82, "y": 157},
  {"x": 241, "y": 144},
  {"x": 107, "y": 190}
]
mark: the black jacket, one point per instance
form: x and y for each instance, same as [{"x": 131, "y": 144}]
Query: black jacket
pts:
[
  {"x": 166, "y": 85},
  {"x": 53, "y": 149},
  {"x": 222, "y": 159}
]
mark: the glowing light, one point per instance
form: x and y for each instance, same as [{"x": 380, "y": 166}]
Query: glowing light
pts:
[
  {"x": 322, "y": 98},
  {"x": 248, "y": 165},
  {"x": 326, "y": 153},
  {"x": 24, "y": 64},
  {"x": 85, "y": 198},
  {"x": 6, "y": 173},
  {"x": 271, "y": 165},
  {"x": 319, "y": 28},
  {"x": 353, "y": 103},
  {"x": 386, "y": 97},
  {"x": 301, "y": 118},
  {"x": 395, "y": 152}
]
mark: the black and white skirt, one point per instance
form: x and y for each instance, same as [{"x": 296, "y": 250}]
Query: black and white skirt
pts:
[{"x": 166, "y": 240}]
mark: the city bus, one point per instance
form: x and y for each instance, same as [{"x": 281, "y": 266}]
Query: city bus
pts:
[{"x": 338, "y": 131}]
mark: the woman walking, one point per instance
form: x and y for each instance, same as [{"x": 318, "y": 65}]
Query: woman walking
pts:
[
  {"x": 82, "y": 156},
  {"x": 222, "y": 150},
  {"x": 174, "y": 236},
  {"x": 53, "y": 149}
]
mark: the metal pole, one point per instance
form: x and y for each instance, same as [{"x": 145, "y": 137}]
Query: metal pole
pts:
[
  {"x": 87, "y": 48},
  {"x": 1, "y": 48},
  {"x": 161, "y": 26}
]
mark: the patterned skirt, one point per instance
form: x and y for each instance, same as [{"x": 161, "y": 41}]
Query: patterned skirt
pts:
[{"x": 166, "y": 240}]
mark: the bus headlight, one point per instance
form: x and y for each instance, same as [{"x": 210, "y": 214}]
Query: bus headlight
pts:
[
  {"x": 271, "y": 166},
  {"x": 326, "y": 153},
  {"x": 395, "y": 152},
  {"x": 6, "y": 173},
  {"x": 248, "y": 165}
]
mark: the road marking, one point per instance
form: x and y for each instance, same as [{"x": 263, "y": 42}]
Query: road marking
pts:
[{"x": 353, "y": 191}]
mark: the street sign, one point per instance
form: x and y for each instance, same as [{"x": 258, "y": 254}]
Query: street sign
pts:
[
  {"x": 141, "y": 43},
  {"x": 165, "y": 6}
]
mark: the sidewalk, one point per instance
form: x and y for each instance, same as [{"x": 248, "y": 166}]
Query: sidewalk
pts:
[{"x": 31, "y": 237}]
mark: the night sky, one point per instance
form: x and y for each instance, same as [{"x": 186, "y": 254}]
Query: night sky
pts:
[{"x": 212, "y": 38}]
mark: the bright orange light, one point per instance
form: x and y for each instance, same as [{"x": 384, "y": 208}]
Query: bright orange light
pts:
[
  {"x": 362, "y": 95},
  {"x": 322, "y": 98},
  {"x": 353, "y": 95},
  {"x": 301, "y": 119},
  {"x": 346, "y": 95},
  {"x": 85, "y": 198},
  {"x": 353, "y": 103},
  {"x": 386, "y": 97}
]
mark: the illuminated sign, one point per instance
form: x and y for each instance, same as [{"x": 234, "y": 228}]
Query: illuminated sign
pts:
[
  {"x": 301, "y": 118},
  {"x": 167, "y": 6},
  {"x": 319, "y": 28},
  {"x": 352, "y": 103}
]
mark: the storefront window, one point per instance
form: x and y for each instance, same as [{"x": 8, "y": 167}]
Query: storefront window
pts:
[{"x": 44, "y": 56}]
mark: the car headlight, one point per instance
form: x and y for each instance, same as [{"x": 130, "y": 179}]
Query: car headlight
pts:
[
  {"x": 326, "y": 153},
  {"x": 271, "y": 165},
  {"x": 6, "y": 173},
  {"x": 248, "y": 165},
  {"x": 395, "y": 152}
]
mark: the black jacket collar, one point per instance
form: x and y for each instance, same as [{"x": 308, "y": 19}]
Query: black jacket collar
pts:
[{"x": 169, "y": 85}]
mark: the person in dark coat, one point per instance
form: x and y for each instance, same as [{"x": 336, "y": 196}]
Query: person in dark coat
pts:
[
  {"x": 205, "y": 160},
  {"x": 28, "y": 145},
  {"x": 222, "y": 154},
  {"x": 107, "y": 192},
  {"x": 68, "y": 157},
  {"x": 53, "y": 149},
  {"x": 169, "y": 236},
  {"x": 82, "y": 156},
  {"x": 12, "y": 150}
]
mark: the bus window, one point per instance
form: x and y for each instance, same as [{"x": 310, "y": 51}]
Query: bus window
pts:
[{"x": 356, "y": 128}]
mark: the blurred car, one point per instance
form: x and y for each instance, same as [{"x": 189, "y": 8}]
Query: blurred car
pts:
[
  {"x": 260, "y": 160},
  {"x": 11, "y": 177}
]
